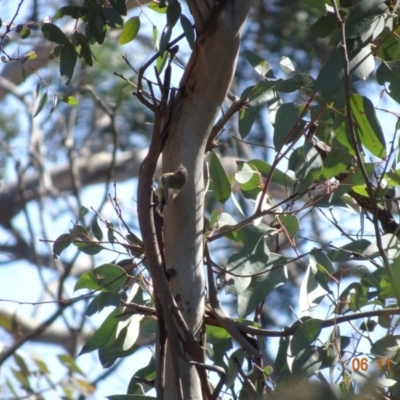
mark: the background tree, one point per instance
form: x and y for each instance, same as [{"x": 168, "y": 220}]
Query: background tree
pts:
[{"x": 296, "y": 208}]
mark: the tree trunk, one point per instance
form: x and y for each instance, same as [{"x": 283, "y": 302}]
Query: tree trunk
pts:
[{"x": 203, "y": 88}]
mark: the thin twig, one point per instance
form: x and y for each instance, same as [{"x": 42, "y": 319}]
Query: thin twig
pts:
[
  {"x": 151, "y": 245},
  {"x": 237, "y": 105}
]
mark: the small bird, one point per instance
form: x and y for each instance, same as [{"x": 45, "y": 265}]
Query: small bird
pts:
[{"x": 170, "y": 186}]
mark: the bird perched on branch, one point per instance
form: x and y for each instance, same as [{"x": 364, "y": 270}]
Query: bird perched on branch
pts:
[{"x": 170, "y": 185}]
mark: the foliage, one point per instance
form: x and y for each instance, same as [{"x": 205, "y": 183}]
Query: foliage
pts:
[{"x": 332, "y": 156}]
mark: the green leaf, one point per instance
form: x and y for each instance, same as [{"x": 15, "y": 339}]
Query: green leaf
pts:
[
  {"x": 385, "y": 321},
  {"x": 331, "y": 75},
  {"x": 355, "y": 178},
  {"x": 368, "y": 326},
  {"x": 188, "y": 30},
  {"x": 155, "y": 37},
  {"x": 338, "y": 160},
  {"x": 55, "y": 52},
  {"x": 309, "y": 168},
  {"x": 278, "y": 176},
  {"x": 97, "y": 232},
  {"x": 281, "y": 357},
  {"x": 29, "y": 56},
  {"x": 83, "y": 211},
  {"x": 262, "y": 93},
  {"x": 323, "y": 260},
  {"x": 369, "y": 129},
  {"x": 130, "y": 30},
  {"x": 96, "y": 28},
  {"x": 110, "y": 233},
  {"x": 165, "y": 38},
  {"x": 134, "y": 239},
  {"x": 386, "y": 347},
  {"x": 290, "y": 223},
  {"x": 113, "y": 17},
  {"x": 83, "y": 49},
  {"x": 37, "y": 91},
  {"x": 73, "y": 11},
  {"x": 385, "y": 285},
  {"x": 307, "y": 361},
  {"x": 288, "y": 127},
  {"x": 174, "y": 11},
  {"x": 162, "y": 61},
  {"x": 389, "y": 49},
  {"x": 19, "y": 360},
  {"x": 247, "y": 116},
  {"x": 333, "y": 349},
  {"x": 299, "y": 81},
  {"x": 322, "y": 274},
  {"x": 61, "y": 243},
  {"x": 147, "y": 373},
  {"x": 104, "y": 335},
  {"x": 247, "y": 176},
  {"x": 395, "y": 268},
  {"x": 350, "y": 251},
  {"x": 287, "y": 66},
  {"x": 40, "y": 364},
  {"x": 220, "y": 182},
  {"x": 107, "y": 278},
  {"x": 132, "y": 332},
  {"x": 25, "y": 32},
  {"x": 390, "y": 244},
  {"x": 79, "y": 232},
  {"x": 393, "y": 177},
  {"x": 148, "y": 327},
  {"x": 311, "y": 291},
  {"x": 9, "y": 384},
  {"x": 352, "y": 298},
  {"x": 390, "y": 72},
  {"x": 236, "y": 357},
  {"x": 109, "y": 353},
  {"x": 367, "y": 278},
  {"x": 259, "y": 64},
  {"x": 22, "y": 379},
  {"x": 157, "y": 7},
  {"x": 54, "y": 103},
  {"x": 103, "y": 299},
  {"x": 71, "y": 100},
  {"x": 119, "y": 6},
  {"x": 42, "y": 103},
  {"x": 342, "y": 134},
  {"x": 54, "y": 33},
  {"x": 305, "y": 335},
  {"x": 271, "y": 273},
  {"x": 319, "y": 5},
  {"x": 365, "y": 20},
  {"x": 258, "y": 95},
  {"x": 67, "y": 62},
  {"x": 70, "y": 363},
  {"x": 324, "y": 26},
  {"x": 88, "y": 247}
]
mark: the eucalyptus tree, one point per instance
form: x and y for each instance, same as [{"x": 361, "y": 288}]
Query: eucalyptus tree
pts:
[{"x": 284, "y": 224}]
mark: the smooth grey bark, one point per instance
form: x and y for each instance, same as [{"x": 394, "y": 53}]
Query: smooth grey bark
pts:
[{"x": 203, "y": 88}]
